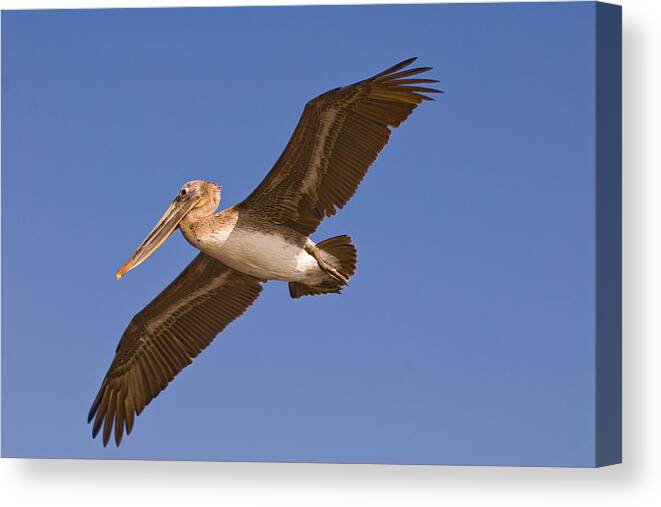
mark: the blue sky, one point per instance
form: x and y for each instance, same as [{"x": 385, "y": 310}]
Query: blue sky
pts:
[{"x": 466, "y": 336}]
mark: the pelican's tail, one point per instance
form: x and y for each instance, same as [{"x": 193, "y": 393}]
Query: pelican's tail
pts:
[{"x": 338, "y": 259}]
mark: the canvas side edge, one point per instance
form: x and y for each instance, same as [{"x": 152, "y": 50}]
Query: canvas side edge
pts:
[{"x": 608, "y": 181}]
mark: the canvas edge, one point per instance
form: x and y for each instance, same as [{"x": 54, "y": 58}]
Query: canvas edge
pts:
[{"x": 608, "y": 215}]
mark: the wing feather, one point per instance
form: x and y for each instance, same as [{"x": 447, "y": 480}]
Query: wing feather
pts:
[
  {"x": 338, "y": 137},
  {"x": 165, "y": 336}
]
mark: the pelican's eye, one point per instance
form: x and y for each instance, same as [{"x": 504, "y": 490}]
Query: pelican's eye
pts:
[{"x": 183, "y": 191}]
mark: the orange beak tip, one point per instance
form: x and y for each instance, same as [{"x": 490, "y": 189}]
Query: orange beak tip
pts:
[{"x": 122, "y": 271}]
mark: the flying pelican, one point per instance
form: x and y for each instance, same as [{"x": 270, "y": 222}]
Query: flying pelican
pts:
[{"x": 265, "y": 237}]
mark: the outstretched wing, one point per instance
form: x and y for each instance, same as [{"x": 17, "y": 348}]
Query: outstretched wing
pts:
[
  {"x": 338, "y": 137},
  {"x": 165, "y": 336}
]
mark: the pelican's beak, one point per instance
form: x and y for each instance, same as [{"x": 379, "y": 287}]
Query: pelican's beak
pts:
[{"x": 165, "y": 226}]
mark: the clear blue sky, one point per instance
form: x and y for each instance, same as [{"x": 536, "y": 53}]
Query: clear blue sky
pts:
[{"x": 466, "y": 336}]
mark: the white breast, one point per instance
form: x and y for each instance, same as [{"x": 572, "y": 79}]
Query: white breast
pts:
[{"x": 263, "y": 255}]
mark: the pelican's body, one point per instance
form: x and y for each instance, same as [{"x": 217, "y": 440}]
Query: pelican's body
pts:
[
  {"x": 264, "y": 237},
  {"x": 242, "y": 241}
]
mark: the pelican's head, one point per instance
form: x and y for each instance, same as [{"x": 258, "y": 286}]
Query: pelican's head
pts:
[{"x": 195, "y": 200}]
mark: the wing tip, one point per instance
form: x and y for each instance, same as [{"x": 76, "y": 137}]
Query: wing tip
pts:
[
  {"x": 106, "y": 416},
  {"x": 108, "y": 432},
  {"x": 408, "y": 61},
  {"x": 395, "y": 68},
  {"x": 395, "y": 74},
  {"x": 95, "y": 431}
]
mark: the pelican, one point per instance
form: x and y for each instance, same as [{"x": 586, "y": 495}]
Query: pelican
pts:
[{"x": 264, "y": 237}]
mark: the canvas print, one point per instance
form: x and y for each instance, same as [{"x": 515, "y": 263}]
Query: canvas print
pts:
[{"x": 398, "y": 242}]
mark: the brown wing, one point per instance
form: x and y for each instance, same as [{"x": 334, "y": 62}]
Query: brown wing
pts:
[
  {"x": 336, "y": 140},
  {"x": 165, "y": 336}
]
